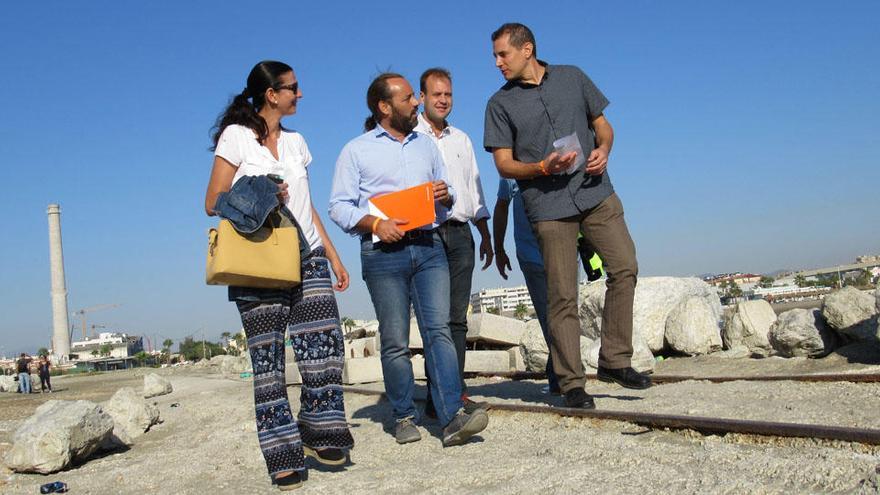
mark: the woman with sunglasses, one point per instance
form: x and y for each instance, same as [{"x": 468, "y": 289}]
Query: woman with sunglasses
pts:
[{"x": 250, "y": 140}]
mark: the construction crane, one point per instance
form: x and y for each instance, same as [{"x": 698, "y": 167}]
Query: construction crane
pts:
[{"x": 92, "y": 309}]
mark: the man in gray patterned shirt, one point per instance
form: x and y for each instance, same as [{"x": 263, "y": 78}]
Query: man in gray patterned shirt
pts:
[{"x": 538, "y": 105}]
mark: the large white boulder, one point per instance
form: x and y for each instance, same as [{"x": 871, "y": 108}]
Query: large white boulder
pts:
[
  {"x": 802, "y": 332},
  {"x": 8, "y": 383},
  {"x": 692, "y": 327},
  {"x": 642, "y": 358},
  {"x": 533, "y": 347},
  {"x": 655, "y": 298},
  {"x": 850, "y": 312},
  {"x": 748, "y": 325},
  {"x": 486, "y": 327},
  {"x": 58, "y": 433},
  {"x": 132, "y": 415},
  {"x": 155, "y": 385}
]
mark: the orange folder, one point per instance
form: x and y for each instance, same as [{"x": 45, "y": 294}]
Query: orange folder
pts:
[{"x": 415, "y": 204}]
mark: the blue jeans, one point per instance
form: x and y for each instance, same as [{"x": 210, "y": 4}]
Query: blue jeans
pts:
[
  {"x": 413, "y": 271},
  {"x": 24, "y": 383},
  {"x": 536, "y": 281}
]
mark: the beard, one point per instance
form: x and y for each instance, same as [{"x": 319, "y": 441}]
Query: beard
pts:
[{"x": 403, "y": 123}]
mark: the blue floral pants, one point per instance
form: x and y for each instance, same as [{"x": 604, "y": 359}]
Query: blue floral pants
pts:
[{"x": 310, "y": 313}]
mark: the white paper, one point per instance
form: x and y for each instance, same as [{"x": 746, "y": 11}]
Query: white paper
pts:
[
  {"x": 568, "y": 144},
  {"x": 376, "y": 212}
]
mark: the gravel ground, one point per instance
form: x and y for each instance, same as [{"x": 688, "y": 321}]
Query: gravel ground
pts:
[{"x": 207, "y": 444}]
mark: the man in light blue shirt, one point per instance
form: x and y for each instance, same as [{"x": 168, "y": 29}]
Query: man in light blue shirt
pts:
[
  {"x": 528, "y": 254},
  {"x": 403, "y": 268}
]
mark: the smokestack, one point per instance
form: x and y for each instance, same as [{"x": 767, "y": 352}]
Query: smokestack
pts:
[{"x": 60, "y": 335}]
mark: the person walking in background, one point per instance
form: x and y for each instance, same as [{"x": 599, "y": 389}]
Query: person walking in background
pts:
[
  {"x": 455, "y": 146},
  {"x": 538, "y": 105},
  {"x": 22, "y": 365},
  {"x": 43, "y": 370},
  {"x": 528, "y": 254},
  {"x": 250, "y": 141},
  {"x": 403, "y": 268}
]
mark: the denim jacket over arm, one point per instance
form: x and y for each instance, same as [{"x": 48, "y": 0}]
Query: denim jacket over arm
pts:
[{"x": 250, "y": 202}]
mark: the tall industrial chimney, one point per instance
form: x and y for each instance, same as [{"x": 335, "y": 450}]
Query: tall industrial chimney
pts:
[{"x": 60, "y": 335}]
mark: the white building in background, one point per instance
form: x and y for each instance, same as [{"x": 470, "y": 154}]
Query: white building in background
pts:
[
  {"x": 121, "y": 346},
  {"x": 506, "y": 299}
]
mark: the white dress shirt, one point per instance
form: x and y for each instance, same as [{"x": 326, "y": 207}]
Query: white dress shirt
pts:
[{"x": 461, "y": 169}]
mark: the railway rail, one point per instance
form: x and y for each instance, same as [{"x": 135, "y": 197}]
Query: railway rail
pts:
[
  {"x": 705, "y": 425},
  {"x": 661, "y": 379}
]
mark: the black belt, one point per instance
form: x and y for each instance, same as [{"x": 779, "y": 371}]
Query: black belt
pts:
[
  {"x": 412, "y": 235},
  {"x": 455, "y": 223}
]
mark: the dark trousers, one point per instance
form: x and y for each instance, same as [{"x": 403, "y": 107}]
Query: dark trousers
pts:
[
  {"x": 44, "y": 382},
  {"x": 605, "y": 228},
  {"x": 459, "y": 246}
]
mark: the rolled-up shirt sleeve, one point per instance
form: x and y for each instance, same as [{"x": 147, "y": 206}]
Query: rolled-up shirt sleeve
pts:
[{"x": 345, "y": 194}]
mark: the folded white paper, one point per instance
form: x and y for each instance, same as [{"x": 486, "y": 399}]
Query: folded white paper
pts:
[{"x": 568, "y": 144}]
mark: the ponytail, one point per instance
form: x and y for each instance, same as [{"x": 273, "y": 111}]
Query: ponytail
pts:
[
  {"x": 370, "y": 124},
  {"x": 245, "y": 106}
]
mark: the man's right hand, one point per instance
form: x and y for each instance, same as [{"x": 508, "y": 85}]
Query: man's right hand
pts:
[
  {"x": 555, "y": 163},
  {"x": 388, "y": 230},
  {"x": 502, "y": 261}
]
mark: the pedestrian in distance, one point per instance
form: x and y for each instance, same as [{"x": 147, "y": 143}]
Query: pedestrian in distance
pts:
[
  {"x": 22, "y": 365},
  {"x": 250, "y": 141},
  {"x": 43, "y": 366}
]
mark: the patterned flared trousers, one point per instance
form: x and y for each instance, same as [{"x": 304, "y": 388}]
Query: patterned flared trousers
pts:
[{"x": 310, "y": 313}]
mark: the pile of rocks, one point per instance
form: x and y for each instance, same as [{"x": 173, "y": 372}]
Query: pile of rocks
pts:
[{"x": 60, "y": 433}]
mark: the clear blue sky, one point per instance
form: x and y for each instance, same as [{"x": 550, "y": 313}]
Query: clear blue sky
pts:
[{"x": 746, "y": 132}]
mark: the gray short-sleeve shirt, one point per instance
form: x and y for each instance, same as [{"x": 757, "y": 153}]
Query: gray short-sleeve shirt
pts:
[{"x": 528, "y": 118}]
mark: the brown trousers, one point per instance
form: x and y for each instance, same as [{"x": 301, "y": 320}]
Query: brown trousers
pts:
[{"x": 605, "y": 228}]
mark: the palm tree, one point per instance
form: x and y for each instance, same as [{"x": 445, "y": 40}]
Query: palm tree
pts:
[
  {"x": 166, "y": 349},
  {"x": 520, "y": 311},
  {"x": 347, "y": 322},
  {"x": 105, "y": 349},
  {"x": 800, "y": 281}
]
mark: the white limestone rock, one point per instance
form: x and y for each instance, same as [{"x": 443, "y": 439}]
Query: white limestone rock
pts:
[
  {"x": 155, "y": 385},
  {"x": 692, "y": 327},
  {"x": 655, "y": 298},
  {"x": 850, "y": 312},
  {"x": 132, "y": 415},
  {"x": 642, "y": 358},
  {"x": 533, "y": 347},
  {"x": 58, "y": 433},
  {"x": 362, "y": 370},
  {"x": 8, "y": 383},
  {"x": 748, "y": 325},
  {"x": 486, "y": 362},
  {"x": 802, "y": 332}
]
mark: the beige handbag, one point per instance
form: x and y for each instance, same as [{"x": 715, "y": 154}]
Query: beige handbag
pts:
[{"x": 269, "y": 258}]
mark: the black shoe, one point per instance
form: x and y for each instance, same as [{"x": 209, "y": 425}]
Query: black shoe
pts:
[
  {"x": 463, "y": 426},
  {"x": 290, "y": 482},
  {"x": 578, "y": 398},
  {"x": 626, "y": 377},
  {"x": 327, "y": 457},
  {"x": 471, "y": 406}
]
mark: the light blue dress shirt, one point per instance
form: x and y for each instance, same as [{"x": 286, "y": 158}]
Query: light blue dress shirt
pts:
[
  {"x": 376, "y": 163},
  {"x": 527, "y": 248}
]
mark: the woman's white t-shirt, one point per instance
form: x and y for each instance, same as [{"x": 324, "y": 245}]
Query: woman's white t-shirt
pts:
[{"x": 239, "y": 146}]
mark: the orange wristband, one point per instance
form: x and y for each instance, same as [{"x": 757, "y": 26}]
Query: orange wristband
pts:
[
  {"x": 543, "y": 168},
  {"x": 375, "y": 222}
]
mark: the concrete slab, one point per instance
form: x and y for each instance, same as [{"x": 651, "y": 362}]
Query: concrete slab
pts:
[
  {"x": 362, "y": 370},
  {"x": 415, "y": 338},
  {"x": 358, "y": 348},
  {"x": 487, "y": 361},
  {"x": 495, "y": 329},
  {"x": 291, "y": 371}
]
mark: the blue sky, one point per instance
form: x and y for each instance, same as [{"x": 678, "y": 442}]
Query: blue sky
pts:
[{"x": 746, "y": 132}]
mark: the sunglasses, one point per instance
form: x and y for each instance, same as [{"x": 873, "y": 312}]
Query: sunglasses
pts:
[{"x": 293, "y": 87}]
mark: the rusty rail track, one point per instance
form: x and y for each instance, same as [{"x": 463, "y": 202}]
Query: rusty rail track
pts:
[
  {"x": 660, "y": 379},
  {"x": 700, "y": 424}
]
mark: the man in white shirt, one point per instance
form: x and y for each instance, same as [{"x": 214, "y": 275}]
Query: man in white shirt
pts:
[{"x": 464, "y": 176}]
